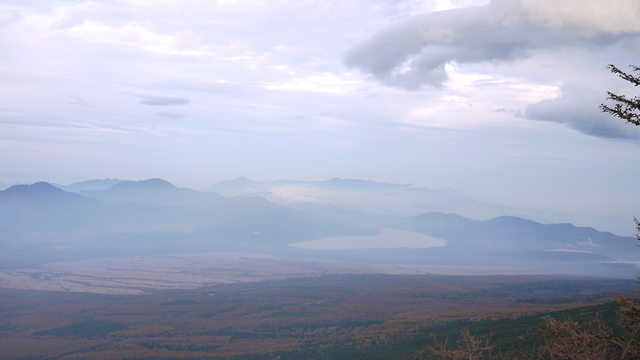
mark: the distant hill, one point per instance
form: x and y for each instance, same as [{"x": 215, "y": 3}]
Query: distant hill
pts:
[
  {"x": 510, "y": 232},
  {"x": 156, "y": 192},
  {"x": 236, "y": 183},
  {"x": 241, "y": 186},
  {"x": 40, "y": 193},
  {"x": 41, "y": 223},
  {"x": 502, "y": 241},
  {"x": 20, "y": 178},
  {"x": 380, "y": 198},
  {"x": 258, "y": 221},
  {"x": 41, "y": 207},
  {"x": 244, "y": 186},
  {"x": 89, "y": 185}
]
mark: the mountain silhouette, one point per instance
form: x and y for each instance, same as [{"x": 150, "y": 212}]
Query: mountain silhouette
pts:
[
  {"x": 41, "y": 193},
  {"x": 98, "y": 184},
  {"x": 40, "y": 223},
  {"x": 156, "y": 192}
]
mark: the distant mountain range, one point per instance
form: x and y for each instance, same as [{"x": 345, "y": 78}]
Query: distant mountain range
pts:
[
  {"x": 348, "y": 194},
  {"x": 241, "y": 185},
  {"x": 21, "y": 178},
  {"x": 89, "y": 185},
  {"x": 399, "y": 199},
  {"x": 41, "y": 223},
  {"x": 153, "y": 191}
]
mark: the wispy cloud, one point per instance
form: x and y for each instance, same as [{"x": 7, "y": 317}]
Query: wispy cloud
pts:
[
  {"x": 518, "y": 144},
  {"x": 514, "y": 112},
  {"x": 76, "y": 100},
  {"x": 163, "y": 100},
  {"x": 172, "y": 114}
]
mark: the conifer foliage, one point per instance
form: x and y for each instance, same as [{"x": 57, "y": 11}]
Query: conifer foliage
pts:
[{"x": 624, "y": 108}]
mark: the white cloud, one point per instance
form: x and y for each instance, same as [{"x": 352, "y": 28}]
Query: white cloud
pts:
[
  {"x": 414, "y": 52},
  {"x": 270, "y": 96},
  {"x": 589, "y": 17},
  {"x": 472, "y": 100},
  {"x": 327, "y": 83},
  {"x": 163, "y": 100},
  {"x": 137, "y": 36}
]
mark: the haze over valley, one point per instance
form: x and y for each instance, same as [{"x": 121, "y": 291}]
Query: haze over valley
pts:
[
  {"x": 114, "y": 219},
  {"x": 319, "y": 179}
]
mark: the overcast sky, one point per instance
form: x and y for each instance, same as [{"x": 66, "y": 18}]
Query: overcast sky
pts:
[{"x": 496, "y": 99}]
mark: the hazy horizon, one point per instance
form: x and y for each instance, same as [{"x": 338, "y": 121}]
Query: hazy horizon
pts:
[
  {"x": 318, "y": 179},
  {"x": 367, "y": 196},
  {"x": 216, "y": 90}
]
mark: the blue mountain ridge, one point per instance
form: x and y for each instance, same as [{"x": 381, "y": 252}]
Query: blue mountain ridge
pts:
[{"x": 154, "y": 216}]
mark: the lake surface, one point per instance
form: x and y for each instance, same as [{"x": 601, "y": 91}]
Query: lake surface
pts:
[{"x": 388, "y": 239}]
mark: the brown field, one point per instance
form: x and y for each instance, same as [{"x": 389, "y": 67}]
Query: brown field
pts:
[
  {"x": 140, "y": 275},
  {"x": 351, "y": 311}
]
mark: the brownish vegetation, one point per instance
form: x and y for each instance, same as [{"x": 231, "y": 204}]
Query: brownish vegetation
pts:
[
  {"x": 563, "y": 340},
  {"x": 348, "y": 312}
]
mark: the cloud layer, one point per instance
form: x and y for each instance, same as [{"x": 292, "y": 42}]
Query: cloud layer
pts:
[
  {"x": 412, "y": 53},
  {"x": 203, "y": 91},
  {"x": 163, "y": 100},
  {"x": 577, "y": 107}
]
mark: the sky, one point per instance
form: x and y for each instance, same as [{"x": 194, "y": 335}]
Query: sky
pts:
[{"x": 497, "y": 99}]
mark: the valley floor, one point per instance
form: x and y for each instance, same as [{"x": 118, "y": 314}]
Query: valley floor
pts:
[
  {"x": 140, "y": 275},
  {"x": 315, "y": 315}
]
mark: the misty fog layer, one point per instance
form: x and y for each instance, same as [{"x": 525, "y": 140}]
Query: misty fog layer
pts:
[{"x": 43, "y": 224}]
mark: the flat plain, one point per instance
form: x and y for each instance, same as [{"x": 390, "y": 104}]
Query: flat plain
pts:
[
  {"x": 139, "y": 275},
  {"x": 313, "y": 315}
]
